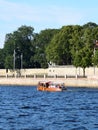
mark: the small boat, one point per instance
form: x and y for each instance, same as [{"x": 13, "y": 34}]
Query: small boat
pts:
[{"x": 50, "y": 86}]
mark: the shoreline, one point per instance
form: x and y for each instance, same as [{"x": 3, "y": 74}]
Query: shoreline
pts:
[{"x": 73, "y": 82}]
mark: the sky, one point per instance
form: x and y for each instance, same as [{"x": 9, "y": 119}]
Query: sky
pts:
[{"x": 45, "y": 14}]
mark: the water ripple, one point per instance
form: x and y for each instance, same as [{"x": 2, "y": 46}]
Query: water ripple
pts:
[{"x": 25, "y": 108}]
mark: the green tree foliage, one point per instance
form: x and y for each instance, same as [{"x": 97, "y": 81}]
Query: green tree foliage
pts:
[
  {"x": 83, "y": 47},
  {"x": 9, "y": 62},
  {"x": 90, "y": 25},
  {"x": 70, "y": 45},
  {"x": 84, "y": 58},
  {"x": 2, "y": 57},
  {"x": 21, "y": 42},
  {"x": 76, "y": 43},
  {"x": 41, "y": 41},
  {"x": 58, "y": 51}
]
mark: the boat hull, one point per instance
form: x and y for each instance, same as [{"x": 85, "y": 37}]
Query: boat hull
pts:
[{"x": 41, "y": 88}]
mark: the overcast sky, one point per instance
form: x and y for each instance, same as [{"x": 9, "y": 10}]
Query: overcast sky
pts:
[{"x": 43, "y": 14}]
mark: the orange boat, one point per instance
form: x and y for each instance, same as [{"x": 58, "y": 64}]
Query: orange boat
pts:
[{"x": 50, "y": 86}]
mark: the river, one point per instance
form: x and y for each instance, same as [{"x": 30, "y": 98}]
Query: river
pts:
[{"x": 25, "y": 108}]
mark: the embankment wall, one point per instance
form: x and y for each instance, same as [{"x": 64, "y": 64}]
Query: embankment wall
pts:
[
  {"x": 57, "y": 70},
  {"x": 81, "y": 82},
  {"x": 33, "y": 82},
  {"x": 91, "y": 74}
]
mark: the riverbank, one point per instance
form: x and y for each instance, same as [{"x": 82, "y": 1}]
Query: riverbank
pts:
[{"x": 73, "y": 82}]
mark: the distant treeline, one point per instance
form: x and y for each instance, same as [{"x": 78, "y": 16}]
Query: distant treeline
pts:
[{"x": 69, "y": 45}]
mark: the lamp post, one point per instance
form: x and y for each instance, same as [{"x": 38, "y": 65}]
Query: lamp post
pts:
[
  {"x": 14, "y": 60},
  {"x": 94, "y": 55},
  {"x": 21, "y": 60}
]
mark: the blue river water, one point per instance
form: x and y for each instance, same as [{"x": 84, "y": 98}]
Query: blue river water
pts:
[{"x": 25, "y": 108}]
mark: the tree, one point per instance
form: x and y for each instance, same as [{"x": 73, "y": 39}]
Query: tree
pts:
[
  {"x": 9, "y": 62},
  {"x": 90, "y": 25},
  {"x": 82, "y": 49},
  {"x": 86, "y": 58},
  {"x": 65, "y": 46},
  {"x": 21, "y": 42},
  {"x": 76, "y": 43},
  {"x": 41, "y": 41},
  {"x": 2, "y": 58},
  {"x": 58, "y": 51}
]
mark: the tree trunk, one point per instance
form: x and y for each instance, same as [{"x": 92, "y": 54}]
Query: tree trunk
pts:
[{"x": 83, "y": 72}]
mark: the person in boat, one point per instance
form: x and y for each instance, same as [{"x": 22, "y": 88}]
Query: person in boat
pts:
[{"x": 47, "y": 85}]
